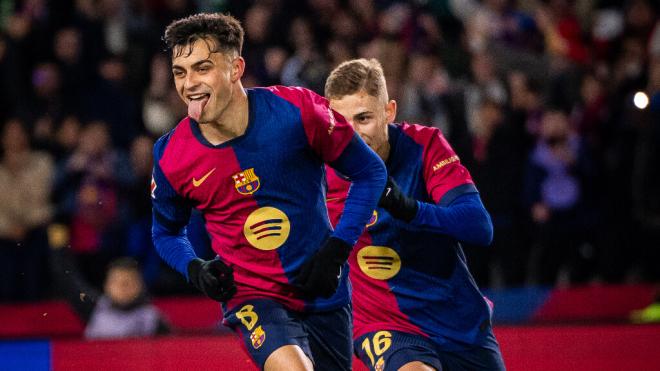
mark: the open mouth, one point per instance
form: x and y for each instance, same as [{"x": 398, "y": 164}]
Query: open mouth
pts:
[{"x": 196, "y": 105}]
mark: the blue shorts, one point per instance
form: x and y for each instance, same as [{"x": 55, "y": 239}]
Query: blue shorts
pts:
[
  {"x": 390, "y": 350},
  {"x": 265, "y": 325}
]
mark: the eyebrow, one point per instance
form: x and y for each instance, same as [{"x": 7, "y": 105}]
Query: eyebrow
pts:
[
  {"x": 362, "y": 113},
  {"x": 194, "y": 65}
]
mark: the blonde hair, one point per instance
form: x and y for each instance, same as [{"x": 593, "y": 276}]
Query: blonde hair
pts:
[{"x": 356, "y": 75}]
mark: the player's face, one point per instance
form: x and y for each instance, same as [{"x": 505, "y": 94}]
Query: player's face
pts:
[
  {"x": 369, "y": 116},
  {"x": 205, "y": 80}
]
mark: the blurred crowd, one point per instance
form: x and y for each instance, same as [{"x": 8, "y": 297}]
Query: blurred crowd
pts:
[{"x": 554, "y": 107}]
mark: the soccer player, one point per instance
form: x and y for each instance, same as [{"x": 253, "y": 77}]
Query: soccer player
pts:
[
  {"x": 415, "y": 304},
  {"x": 252, "y": 161}
]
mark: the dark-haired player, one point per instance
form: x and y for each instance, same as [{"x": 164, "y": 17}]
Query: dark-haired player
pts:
[{"x": 252, "y": 160}]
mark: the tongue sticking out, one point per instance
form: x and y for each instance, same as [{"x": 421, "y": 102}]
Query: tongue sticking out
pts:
[{"x": 195, "y": 108}]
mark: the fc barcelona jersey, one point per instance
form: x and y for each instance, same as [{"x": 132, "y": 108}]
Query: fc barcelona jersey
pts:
[
  {"x": 405, "y": 278},
  {"x": 261, "y": 194}
]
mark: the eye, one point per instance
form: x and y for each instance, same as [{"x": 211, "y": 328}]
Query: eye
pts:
[
  {"x": 178, "y": 73},
  {"x": 363, "y": 119}
]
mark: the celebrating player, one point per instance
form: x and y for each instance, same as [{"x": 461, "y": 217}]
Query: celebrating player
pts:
[
  {"x": 252, "y": 161},
  {"x": 415, "y": 304}
]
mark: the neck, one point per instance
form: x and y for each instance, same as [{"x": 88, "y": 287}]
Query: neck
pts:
[{"x": 232, "y": 122}]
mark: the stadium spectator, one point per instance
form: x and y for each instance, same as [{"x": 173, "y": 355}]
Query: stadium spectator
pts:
[
  {"x": 121, "y": 310},
  {"x": 87, "y": 188},
  {"x": 123, "y": 116},
  {"x": 558, "y": 169},
  {"x": 306, "y": 66},
  {"x": 485, "y": 85},
  {"x": 160, "y": 104},
  {"x": 496, "y": 163},
  {"x": 26, "y": 178},
  {"x": 424, "y": 90},
  {"x": 46, "y": 100},
  {"x": 68, "y": 57}
]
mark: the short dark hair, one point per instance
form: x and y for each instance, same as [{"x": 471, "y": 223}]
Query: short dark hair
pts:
[
  {"x": 355, "y": 75},
  {"x": 226, "y": 31}
]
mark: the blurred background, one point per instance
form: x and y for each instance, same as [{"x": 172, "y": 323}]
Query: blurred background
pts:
[{"x": 554, "y": 107}]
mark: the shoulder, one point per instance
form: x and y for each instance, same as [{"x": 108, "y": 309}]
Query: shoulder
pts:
[
  {"x": 170, "y": 137},
  {"x": 161, "y": 143},
  {"x": 420, "y": 133},
  {"x": 430, "y": 138},
  {"x": 294, "y": 94}
]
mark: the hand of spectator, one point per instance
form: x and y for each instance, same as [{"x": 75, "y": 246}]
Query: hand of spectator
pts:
[
  {"x": 212, "y": 277},
  {"x": 319, "y": 275}
]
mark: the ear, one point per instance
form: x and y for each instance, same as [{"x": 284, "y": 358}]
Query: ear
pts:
[
  {"x": 390, "y": 111},
  {"x": 237, "y": 68}
]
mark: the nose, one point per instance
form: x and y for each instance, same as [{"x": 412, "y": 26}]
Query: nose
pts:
[{"x": 190, "y": 82}]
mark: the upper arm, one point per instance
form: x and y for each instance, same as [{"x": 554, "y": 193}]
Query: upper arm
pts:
[
  {"x": 445, "y": 177},
  {"x": 169, "y": 209}
]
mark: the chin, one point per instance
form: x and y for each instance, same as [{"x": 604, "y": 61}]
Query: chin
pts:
[{"x": 203, "y": 119}]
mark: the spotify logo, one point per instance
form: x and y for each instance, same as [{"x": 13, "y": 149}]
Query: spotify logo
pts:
[
  {"x": 267, "y": 228},
  {"x": 379, "y": 262}
]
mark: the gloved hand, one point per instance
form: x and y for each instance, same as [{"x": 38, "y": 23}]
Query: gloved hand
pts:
[
  {"x": 212, "y": 277},
  {"x": 397, "y": 203},
  {"x": 319, "y": 275}
]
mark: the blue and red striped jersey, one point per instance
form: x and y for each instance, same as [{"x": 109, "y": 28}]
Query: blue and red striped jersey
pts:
[
  {"x": 262, "y": 194},
  {"x": 407, "y": 278}
]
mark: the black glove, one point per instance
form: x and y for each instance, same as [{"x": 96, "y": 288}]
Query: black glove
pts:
[
  {"x": 319, "y": 275},
  {"x": 212, "y": 277},
  {"x": 396, "y": 203}
]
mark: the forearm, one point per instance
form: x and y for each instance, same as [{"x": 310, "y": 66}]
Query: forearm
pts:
[
  {"x": 465, "y": 219},
  {"x": 368, "y": 175},
  {"x": 173, "y": 247}
]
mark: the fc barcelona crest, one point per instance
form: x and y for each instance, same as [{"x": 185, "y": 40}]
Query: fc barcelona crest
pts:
[
  {"x": 246, "y": 182},
  {"x": 258, "y": 337}
]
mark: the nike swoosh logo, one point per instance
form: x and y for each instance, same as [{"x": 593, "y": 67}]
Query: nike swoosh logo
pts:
[
  {"x": 331, "y": 199},
  {"x": 199, "y": 182}
]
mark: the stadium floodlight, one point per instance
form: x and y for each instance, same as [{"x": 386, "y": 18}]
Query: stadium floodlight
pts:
[{"x": 641, "y": 100}]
